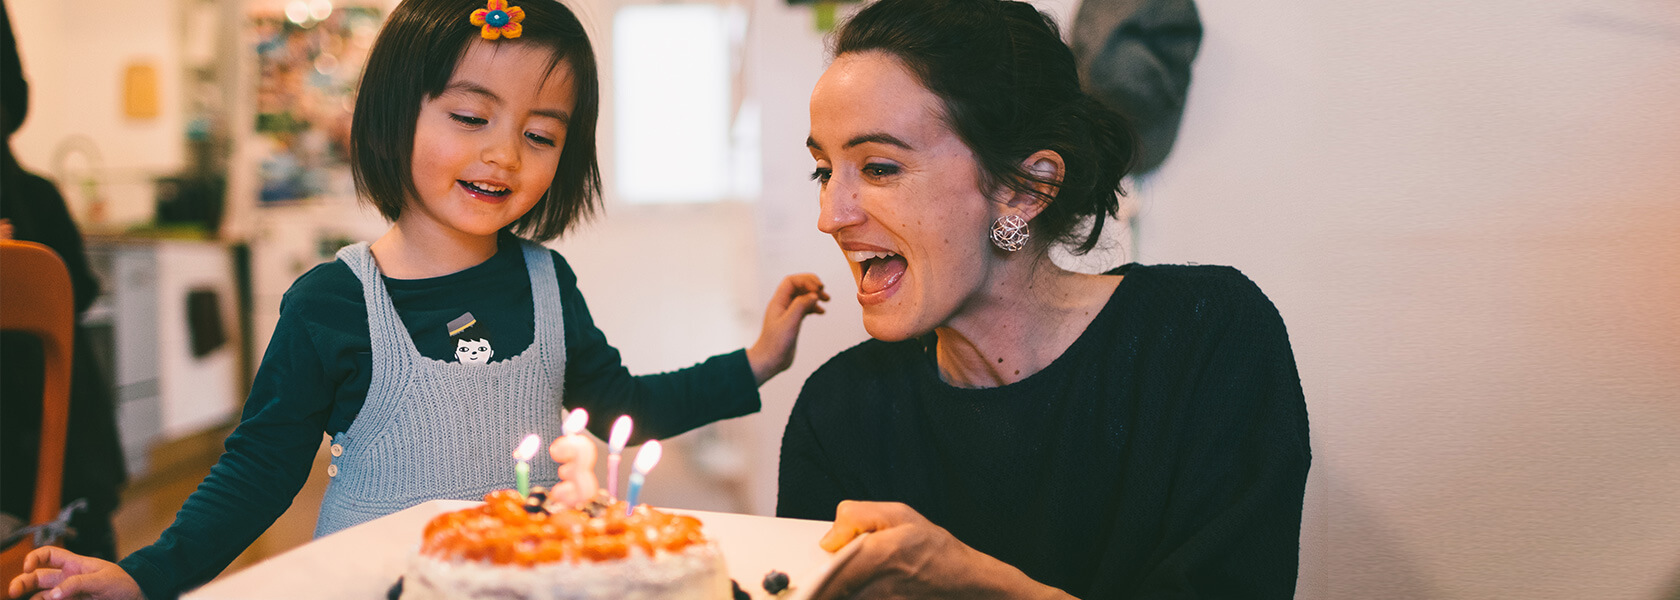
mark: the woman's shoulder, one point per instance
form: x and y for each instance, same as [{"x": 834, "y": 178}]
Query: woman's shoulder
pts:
[
  {"x": 1194, "y": 286},
  {"x": 870, "y": 364}
]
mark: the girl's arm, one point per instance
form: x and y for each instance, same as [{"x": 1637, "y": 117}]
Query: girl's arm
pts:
[
  {"x": 267, "y": 460},
  {"x": 663, "y": 405}
]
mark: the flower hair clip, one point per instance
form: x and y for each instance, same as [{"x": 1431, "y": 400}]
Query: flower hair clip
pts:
[{"x": 499, "y": 20}]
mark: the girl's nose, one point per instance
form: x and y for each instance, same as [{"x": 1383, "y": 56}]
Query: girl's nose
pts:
[
  {"x": 839, "y": 206},
  {"x": 502, "y": 151}
]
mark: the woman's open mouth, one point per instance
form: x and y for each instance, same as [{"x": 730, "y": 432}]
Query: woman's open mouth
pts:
[{"x": 881, "y": 272}]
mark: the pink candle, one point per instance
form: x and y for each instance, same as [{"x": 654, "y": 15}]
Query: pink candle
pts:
[{"x": 615, "y": 447}]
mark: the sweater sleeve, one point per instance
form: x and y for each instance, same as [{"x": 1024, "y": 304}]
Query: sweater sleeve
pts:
[
  {"x": 266, "y": 461},
  {"x": 806, "y": 488},
  {"x": 1232, "y": 527},
  {"x": 664, "y": 404}
]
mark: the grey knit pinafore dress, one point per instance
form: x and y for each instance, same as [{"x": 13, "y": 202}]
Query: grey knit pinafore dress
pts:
[{"x": 432, "y": 429}]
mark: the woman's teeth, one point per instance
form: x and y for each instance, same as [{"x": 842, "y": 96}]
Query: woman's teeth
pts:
[{"x": 861, "y": 256}]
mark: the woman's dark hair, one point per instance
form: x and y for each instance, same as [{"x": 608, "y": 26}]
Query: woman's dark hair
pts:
[
  {"x": 1010, "y": 89},
  {"x": 413, "y": 59}
]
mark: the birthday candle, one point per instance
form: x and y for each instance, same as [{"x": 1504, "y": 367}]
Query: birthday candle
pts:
[
  {"x": 522, "y": 469},
  {"x": 575, "y": 422},
  {"x": 615, "y": 447},
  {"x": 646, "y": 458}
]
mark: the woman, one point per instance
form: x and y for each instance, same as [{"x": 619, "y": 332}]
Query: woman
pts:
[{"x": 1015, "y": 429}]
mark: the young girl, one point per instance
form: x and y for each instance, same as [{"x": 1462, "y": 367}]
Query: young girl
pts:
[{"x": 429, "y": 353}]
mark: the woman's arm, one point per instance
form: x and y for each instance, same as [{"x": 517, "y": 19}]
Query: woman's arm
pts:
[
  {"x": 1232, "y": 527},
  {"x": 806, "y": 488}
]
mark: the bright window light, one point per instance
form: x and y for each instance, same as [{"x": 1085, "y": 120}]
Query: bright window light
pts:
[{"x": 672, "y": 104}]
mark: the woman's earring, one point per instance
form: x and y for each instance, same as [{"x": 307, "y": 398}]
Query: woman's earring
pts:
[{"x": 1009, "y": 232}]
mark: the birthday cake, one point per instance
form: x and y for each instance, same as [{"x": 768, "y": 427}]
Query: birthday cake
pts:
[{"x": 526, "y": 548}]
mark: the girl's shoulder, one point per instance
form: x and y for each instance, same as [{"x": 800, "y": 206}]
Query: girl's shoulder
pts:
[{"x": 324, "y": 286}]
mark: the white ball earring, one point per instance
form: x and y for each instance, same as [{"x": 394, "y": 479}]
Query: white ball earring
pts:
[{"x": 1009, "y": 232}]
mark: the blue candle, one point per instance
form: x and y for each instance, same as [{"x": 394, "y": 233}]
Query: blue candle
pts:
[{"x": 646, "y": 458}]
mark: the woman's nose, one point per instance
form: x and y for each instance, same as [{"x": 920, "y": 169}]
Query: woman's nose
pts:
[{"x": 839, "y": 207}]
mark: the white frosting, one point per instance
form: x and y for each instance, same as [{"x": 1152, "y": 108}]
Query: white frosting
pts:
[{"x": 696, "y": 573}]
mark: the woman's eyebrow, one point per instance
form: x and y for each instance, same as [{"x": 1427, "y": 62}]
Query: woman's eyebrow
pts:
[{"x": 867, "y": 138}]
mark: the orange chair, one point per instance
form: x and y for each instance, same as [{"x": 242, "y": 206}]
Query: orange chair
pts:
[{"x": 36, "y": 298}]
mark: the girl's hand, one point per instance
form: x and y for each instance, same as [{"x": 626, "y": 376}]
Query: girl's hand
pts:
[
  {"x": 54, "y": 573},
  {"x": 796, "y": 297},
  {"x": 906, "y": 556},
  {"x": 576, "y": 456}
]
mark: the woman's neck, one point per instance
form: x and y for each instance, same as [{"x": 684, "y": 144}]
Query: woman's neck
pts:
[
  {"x": 420, "y": 253},
  {"x": 1021, "y": 326}
]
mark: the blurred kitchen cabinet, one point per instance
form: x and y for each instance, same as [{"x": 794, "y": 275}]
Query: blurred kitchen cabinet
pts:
[{"x": 170, "y": 308}]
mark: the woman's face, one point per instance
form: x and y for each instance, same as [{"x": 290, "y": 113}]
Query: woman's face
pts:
[
  {"x": 485, "y": 150},
  {"x": 900, "y": 194}
]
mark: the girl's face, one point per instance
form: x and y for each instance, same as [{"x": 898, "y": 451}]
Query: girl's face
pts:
[
  {"x": 901, "y": 195},
  {"x": 485, "y": 150}
]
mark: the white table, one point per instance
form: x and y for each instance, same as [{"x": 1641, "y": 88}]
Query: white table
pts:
[{"x": 361, "y": 563}]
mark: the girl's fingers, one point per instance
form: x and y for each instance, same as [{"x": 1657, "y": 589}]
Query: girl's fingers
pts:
[
  {"x": 38, "y": 579},
  {"x": 47, "y": 556}
]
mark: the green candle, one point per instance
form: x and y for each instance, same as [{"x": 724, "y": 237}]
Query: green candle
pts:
[{"x": 522, "y": 469}]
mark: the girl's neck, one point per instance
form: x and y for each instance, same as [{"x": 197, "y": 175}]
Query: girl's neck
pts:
[
  {"x": 420, "y": 253},
  {"x": 1025, "y": 323}
]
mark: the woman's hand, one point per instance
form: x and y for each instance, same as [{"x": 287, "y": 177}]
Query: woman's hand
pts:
[
  {"x": 796, "y": 297},
  {"x": 906, "y": 556},
  {"x": 576, "y": 456},
  {"x": 54, "y": 573}
]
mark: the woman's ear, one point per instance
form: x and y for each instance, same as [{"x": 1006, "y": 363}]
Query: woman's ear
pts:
[{"x": 1047, "y": 169}]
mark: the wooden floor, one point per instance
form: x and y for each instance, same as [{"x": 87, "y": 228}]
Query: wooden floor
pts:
[{"x": 150, "y": 502}]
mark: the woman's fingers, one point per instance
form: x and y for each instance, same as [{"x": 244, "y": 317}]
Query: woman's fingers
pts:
[{"x": 853, "y": 517}]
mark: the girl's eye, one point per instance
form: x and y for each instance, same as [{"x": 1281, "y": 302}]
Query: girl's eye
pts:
[
  {"x": 880, "y": 169},
  {"x": 822, "y": 174},
  {"x": 466, "y": 120},
  {"x": 540, "y": 139}
]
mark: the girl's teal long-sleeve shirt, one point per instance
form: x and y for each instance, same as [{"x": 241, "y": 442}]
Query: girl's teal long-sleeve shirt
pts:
[{"x": 314, "y": 378}]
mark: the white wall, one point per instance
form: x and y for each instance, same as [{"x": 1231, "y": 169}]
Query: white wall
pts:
[
  {"x": 1467, "y": 213},
  {"x": 74, "y": 54}
]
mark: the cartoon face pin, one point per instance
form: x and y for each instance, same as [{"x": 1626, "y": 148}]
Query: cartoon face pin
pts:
[
  {"x": 472, "y": 346},
  {"x": 475, "y": 352}
]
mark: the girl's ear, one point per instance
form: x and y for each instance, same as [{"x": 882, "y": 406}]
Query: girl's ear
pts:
[{"x": 1047, "y": 170}]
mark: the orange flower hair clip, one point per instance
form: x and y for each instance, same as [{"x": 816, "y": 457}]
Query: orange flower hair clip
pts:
[{"x": 499, "y": 20}]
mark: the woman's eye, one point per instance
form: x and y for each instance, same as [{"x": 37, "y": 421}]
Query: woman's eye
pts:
[
  {"x": 880, "y": 170},
  {"x": 466, "y": 120},
  {"x": 822, "y": 174},
  {"x": 539, "y": 139}
]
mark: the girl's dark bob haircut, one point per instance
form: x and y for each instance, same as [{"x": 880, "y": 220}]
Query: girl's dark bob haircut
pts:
[
  {"x": 1010, "y": 88},
  {"x": 413, "y": 59}
]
